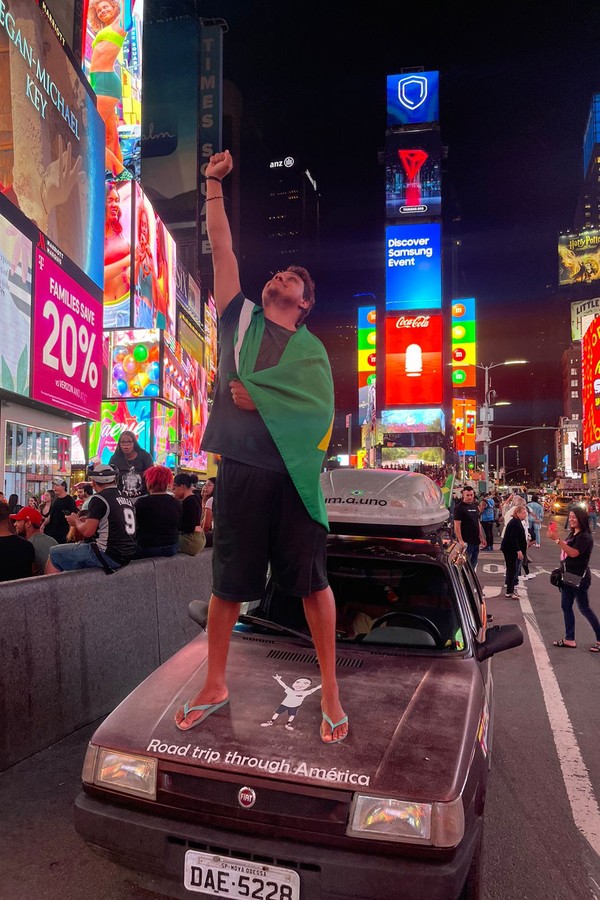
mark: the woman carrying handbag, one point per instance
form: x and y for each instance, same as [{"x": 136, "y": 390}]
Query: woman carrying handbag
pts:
[{"x": 575, "y": 555}]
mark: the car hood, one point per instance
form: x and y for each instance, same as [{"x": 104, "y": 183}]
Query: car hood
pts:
[{"x": 414, "y": 721}]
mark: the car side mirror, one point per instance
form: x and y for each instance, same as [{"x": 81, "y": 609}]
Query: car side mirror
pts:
[
  {"x": 198, "y": 611},
  {"x": 498, "y": 638}
]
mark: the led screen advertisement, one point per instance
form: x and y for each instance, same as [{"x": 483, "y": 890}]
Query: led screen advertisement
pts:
[
  {"x": 583, "y": 313},
  {"x": 165, "y": 435},
  {"x": 115, "y": 418},
  {"x": 15, "y": 308},
  {"x": 464, "y": 419},
  {"x": 590, "y": 364},
  {"x": 155, "y": 265},
  {"x": 413, "y": 273},
  {"x": 413, "y": 98},
  {"x": 579, "y": 258},
  {"x": 67, "y": 337},
  {"x": 112, "y": 57},
  {"x": 464, "y": 355},
  {"x": 51, "y": 150},
  {"x": 117, "y": 254},
  {"x": 367, "y": 360},
  {"x": 412, "y": 421},
  {"x": 413, "y": 182},
  {"x": 413, "y": 360},
  {"x": 134, "y": 363}
]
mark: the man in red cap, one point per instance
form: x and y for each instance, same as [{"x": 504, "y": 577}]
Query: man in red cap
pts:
[
  {"x": 16, "y": 554},
  {"x": 27, "y": 524}
]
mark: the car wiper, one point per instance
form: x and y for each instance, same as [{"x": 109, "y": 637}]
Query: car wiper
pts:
[{"x": 283, "y": 629}]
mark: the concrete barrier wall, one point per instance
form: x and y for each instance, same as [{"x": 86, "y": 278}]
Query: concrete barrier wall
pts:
[{"x": 72, "y": 646}]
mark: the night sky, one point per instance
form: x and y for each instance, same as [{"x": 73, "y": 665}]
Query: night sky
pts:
[{"x": 516, "y": 81}]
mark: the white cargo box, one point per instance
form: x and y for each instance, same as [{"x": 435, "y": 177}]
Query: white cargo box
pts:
[{"x": 380, "y": 501}]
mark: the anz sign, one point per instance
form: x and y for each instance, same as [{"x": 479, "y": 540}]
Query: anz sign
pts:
[{"x": 413, "y": 99}]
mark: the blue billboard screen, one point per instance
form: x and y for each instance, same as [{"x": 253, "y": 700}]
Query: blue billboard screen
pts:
[
  {"x": 413, "y": 267},
  {"x": 413, "y": 98}
]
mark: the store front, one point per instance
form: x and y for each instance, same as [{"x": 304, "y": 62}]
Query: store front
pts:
[{"x": 35, "y": 448}]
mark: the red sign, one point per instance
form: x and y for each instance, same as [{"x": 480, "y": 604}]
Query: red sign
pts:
[
  {"x": 590, "y": 364},
  {"x": 413, "y": 360}
]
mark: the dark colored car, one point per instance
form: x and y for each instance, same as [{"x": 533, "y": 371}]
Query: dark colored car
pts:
[{"x": 237, "y": 809}]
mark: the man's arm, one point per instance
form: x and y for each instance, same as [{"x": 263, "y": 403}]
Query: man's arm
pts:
[
  {"x": 225, "y": 265},
  {"x": 85, "y": 527}
]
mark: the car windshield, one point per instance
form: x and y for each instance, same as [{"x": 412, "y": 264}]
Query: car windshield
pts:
[{"x": 382, "y": 597}]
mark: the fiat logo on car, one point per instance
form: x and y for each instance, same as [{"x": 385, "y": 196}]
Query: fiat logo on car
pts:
[{"x": 246, "y": 797}]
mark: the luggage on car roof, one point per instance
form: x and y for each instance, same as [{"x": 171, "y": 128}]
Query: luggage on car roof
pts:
[{"x": 376, "y": 501}]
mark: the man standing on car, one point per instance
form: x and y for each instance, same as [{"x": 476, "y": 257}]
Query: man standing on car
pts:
[
  {"x": 467, "y": 525},
  {"x": 271, "y": 423}
]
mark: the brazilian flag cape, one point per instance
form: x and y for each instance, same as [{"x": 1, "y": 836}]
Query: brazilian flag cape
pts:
[{"x": 295, "y": 400}]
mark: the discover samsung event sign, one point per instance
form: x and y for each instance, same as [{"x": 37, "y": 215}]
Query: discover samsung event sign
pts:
[{"x": 413, "y": 272}]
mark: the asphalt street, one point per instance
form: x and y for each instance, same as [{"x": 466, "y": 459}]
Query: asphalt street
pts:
[{"x": 542, "y": 835}]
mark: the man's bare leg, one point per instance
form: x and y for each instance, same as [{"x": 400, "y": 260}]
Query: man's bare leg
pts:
[
  {"x": 319, "y": 609},
  {"x": 222, "y": 616}
]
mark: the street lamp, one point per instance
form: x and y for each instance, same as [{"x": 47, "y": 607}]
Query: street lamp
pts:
[{"x": 487, "y": 396}]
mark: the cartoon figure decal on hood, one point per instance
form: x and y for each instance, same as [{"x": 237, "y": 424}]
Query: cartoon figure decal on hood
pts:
[{"x": 293, "y": 700}]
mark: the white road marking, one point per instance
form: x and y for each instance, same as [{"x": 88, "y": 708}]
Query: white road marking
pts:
[
  {"x": 490, "y": 591},
  {"x": 584, "y": 806}
]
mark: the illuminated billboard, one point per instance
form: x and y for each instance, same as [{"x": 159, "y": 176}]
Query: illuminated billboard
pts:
[
  {"x": 464, "y": 419},
  {"x": 583, "y": 313},
  {"x": 50, "y": 160},
  {"x": 67, "y": 336},
  {"x": 464, "y": 350},
  {"x": 411, "y": 421},
  {"x": 413, "y": 272},
  {"x": 367, "y": 342},
  {"x": 134, "y": 363},
  {"x": 579, "y": 257},
  {"x": 590, "y": 364},
  {"x": 115, "y": 418},
  {"x": 413, "y": 360},
  {"x": 117, "y": 254},
  {"x": 155, "y": 280},
  {"x": 413, "y": 176},
  {"x": 112, "y": 59},
  {"x": 165, "y": 435},
  {"x": 15, "y": 308},
  {"x": 413, "y": 98}
]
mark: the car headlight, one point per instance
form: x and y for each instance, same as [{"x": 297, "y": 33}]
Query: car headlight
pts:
[
  {"x": 386, "y": 819},
  {"x": 120, "y": 772}
]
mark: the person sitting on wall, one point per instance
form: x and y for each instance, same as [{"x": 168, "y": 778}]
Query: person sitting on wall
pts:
[
  {"x": 158, "y": 515},
  {"x": 107, "y": 532},
  {"x": 16, "y": 554},
  {"x": 27, "y": 524}
]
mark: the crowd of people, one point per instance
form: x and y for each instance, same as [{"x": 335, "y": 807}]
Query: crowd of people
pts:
[
  {"x": 518, "y": 523},
  {"x": 102, "y": 525}
]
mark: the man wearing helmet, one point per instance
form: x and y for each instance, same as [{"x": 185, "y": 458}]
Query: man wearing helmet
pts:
[{"x": 107, "y": 533}]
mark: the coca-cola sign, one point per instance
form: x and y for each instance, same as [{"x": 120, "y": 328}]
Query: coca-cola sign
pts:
[{"x": 413, "y": 322}]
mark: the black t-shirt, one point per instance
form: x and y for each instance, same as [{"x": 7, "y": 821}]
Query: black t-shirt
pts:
[
  {"x": 116, "y": 524},
  {"x": 191, "y": 513},
  {"x": 468, "y": 516},
  {"x": 158, "y": 518},
  {"x": 584, "y": 542},
  {"x": 57, "y": 526},
  {"x": 236, "y": 433},
  {"x": 131, "y": 482},
  {"x": 16, "y": 558}
]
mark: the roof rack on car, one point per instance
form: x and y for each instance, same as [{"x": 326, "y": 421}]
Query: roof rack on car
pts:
[{"x": 383, "y": 503}]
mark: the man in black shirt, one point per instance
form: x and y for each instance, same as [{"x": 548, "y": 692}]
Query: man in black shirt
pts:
[
  {"x": 17, "y": 555},
  {"x": 467, "y": 525},
  {"x": 108, "y": 531},
  {"x": 63, "y": 504}
]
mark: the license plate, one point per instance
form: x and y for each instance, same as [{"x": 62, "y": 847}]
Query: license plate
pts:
[{"x": 220, "y": 876}]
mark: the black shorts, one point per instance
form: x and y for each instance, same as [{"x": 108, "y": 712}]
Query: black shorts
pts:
[{"x": 259, "y": 519}]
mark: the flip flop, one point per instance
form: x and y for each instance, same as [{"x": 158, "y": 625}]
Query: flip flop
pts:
[
  {"x": 561, "y": 643},
  {"x": 333, "y": 726},
  {"x": 207, "y": 708},
  {"x": 595, "y": 648}
]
